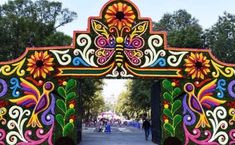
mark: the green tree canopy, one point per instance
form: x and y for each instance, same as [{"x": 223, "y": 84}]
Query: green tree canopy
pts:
[
  {"x": 92, "y": 100},
  {"x": 135, "y": 100},
  {"x": 183, "y": 29},
  {"x": 221, "y": 38},
  {"x": 31, "y": 23}
]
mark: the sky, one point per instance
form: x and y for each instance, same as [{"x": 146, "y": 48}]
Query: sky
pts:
[{"x": 206, "y": 11}]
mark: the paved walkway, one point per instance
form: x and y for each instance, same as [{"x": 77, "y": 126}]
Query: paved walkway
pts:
[{"x": 119, "y": 136}]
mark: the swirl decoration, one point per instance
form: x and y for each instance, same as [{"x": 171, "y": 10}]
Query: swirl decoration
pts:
[
  {"x": 4, "y": 88},
  {"x": 102, "y": 42},
  {"x": 2, "y": 136},
  {"x": 87, "y": 54},
  {"x": 231, "y": 89},
  {"x": 228, "y": 72},
  {"x": 20, "y": 116},
  {"x": 160, "y": 61},
  {"x": 189, "y": 119},
  {"x": 136, "y": 42},
  {"x": 48, "y": 119},
  {"x": 219, "y": 113},
  {"x": 65, "y": 59},
  {"x": 221, "y": 88},
  {"x": 42, "y": 138},
  {"x": 3, "y": 111},
  {"x": 124, "y": 73},
  {"x": 115, "y": 73},
  {"x": 77, "y": 61},
  {"x": 173, "y": 61},
  {"x": 15, "y": 86},
  {"x": 151, "y": 55},
  {"x": 231, "y": 113},
  {"x": 196, "y": 136},
  {"x": 8, "y": 70},
  {"x": 232, "y": 136}
]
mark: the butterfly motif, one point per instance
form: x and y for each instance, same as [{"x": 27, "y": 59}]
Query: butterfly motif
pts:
[{"x": 119, "y": 44}]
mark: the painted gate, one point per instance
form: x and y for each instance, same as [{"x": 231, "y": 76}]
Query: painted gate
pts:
[{"x": 38, "y": 100}]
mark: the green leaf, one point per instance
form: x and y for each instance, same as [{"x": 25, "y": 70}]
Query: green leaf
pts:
[
  {"x": 70, "y": 85},
  {"x": 167, "y": 85},
  {"x": 177, "y": 119},
  {"x": 68, "y": 113},
  {"x": 168, "y": 127},
  {"x": 60, "y": 120},
  {"x": 168, "y": 97},
  {"x": 176, "y": 92},
  {"x": 70, "y": 96},
  {"x": 68, "y": 128},
  {"x": 168, "y": 113},
  {"x": 61, "y": 104},
  {"x": 61, "y": 92},
  {"x": 176, "y": 105}
]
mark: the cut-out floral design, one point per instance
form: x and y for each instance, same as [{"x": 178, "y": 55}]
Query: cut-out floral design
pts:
[{"x": 40, "y": 64}]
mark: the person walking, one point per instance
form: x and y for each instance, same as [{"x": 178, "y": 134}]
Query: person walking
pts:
[{"x": 146, "y": 126}]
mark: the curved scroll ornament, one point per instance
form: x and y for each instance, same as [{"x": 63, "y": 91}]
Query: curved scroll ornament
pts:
[
  {"x": 173, "y": 61},
  {"x": 65, "y": 59},
  {"x": 4, "y": 88},
  {"x": 8, "y": 70},
  {"x": 3, "y": 112},
  {"x": 18, "y": 114},
  {"x": 2, "y": 136},
  {"x": 218, "y": 114},
  {"x": 42, "y": 138},
  {"x": 87, "y": 53},
  {"x": 228, "y": 72},
  {"x": 196, "y": 135},
  {"x": 151, "y": 56},
  {"x": 47, "y": 118},
  {"x": 232, "y": 136},
  {"x": 15, "y": 86},
  {"x": 189, "y": 116},
  {"x": 231, "y": 88},
  {"x": 123, "y": 73},
  {"x": 221, "y": 88}
]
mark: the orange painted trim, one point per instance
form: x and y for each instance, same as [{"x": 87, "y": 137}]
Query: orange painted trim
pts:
[
  {"x": 177, "y": 70},
  {"x": 35, "y": 49},
  {"x": 62, "y": 69}
]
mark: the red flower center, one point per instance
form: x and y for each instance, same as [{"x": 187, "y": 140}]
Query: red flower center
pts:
[
  {"x": 39, "y": 63},
  {"x": 120, "y": 15},
  {"x": 198, "y": 65}
]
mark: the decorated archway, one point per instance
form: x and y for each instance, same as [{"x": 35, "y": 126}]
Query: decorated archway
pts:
[{"x": 38, "y": 101}]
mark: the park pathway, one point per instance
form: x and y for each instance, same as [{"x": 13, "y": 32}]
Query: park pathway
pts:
[{"x": 119, "y": 136}]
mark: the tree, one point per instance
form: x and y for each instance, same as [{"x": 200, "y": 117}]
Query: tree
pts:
[
  {"x": 90, "y": 96},
  {"x": 183, "y": 30},
  {"x": 31, "y": 23},
  {"x": 135, "y": 101},
  {"x": 221, "y": 38}
]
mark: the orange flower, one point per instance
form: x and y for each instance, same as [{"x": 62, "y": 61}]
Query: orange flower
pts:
[
  {"x": 197, "y": 65},
  {"x": 119, "y": 15},
  {"x": 40, "y": 64}
]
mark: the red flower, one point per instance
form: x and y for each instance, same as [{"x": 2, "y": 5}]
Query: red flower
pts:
[{"x": 119, "y": 15}]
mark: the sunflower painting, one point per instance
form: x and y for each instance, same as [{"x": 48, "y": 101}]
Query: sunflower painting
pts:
[
  {"x": 40, "y": 64},
  {"x": 119, "y": 15},
  {"x": 197, "y": 65}
]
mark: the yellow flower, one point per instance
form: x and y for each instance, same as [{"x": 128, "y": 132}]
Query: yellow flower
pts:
[
  {"x": 119, "y": 15},
  {"x": 197, "y": 65},
  {"x": 71, "y": 120},
  {"x": 40, "y": 64}
]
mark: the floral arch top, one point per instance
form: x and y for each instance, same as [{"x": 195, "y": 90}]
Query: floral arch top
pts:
[{"x": 38, "y": 99}]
